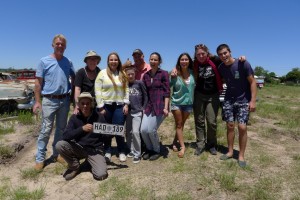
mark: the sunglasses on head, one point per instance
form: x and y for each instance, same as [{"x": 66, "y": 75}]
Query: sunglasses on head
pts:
[{"x": 200, "y": 46}]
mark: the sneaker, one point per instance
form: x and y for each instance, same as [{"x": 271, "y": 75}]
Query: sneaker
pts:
[
  {"x": 130, "y": 155},
  {"x": 136, "y": 160},
  {"x": 198, "y": 151},
  {"x": 70, "y": 174},
  {"x": 122, "y": 157},
  {"x": 107, "y": 157},
  {"x": 39, "y": 166},
  {"x": 213, "y": 151},
  {"x": 154, "y": 156}
]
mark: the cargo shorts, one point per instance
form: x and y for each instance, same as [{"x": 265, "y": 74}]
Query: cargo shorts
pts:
[{"x": 235, "y": 111}]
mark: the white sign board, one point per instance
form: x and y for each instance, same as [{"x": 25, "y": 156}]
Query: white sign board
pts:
[{"x": 109, "y": 129}]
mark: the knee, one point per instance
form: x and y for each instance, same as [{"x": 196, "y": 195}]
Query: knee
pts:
[
  {"x": 230, "y": 126},
  {"x": 100, "y": 176},
  {"x": 179, "y": 125},
  {"x": 60, "y": 145}
]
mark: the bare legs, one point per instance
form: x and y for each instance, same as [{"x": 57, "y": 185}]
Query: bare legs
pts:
[
  {"x": 242, "y": 139},
  {"x": 180, "y": 118}
]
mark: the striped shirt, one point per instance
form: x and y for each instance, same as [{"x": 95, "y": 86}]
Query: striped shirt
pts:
[{"x": 105, "y": 91}]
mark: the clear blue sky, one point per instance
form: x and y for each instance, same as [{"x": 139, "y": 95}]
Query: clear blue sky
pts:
[{"x": 266, "y": 31}]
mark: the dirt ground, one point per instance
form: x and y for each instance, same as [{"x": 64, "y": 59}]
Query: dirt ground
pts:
[{"x": 193, "y": 177}]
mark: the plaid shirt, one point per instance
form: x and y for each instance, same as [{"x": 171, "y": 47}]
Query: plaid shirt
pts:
[{"x": 158, "y": 88}]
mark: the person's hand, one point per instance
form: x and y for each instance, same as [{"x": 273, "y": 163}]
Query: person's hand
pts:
[
  {"x": 87, "y": 128},
  {"x": 252, "y": 106},
  {"x": 76, "y": 110},
  {"x": 125, "y": 109},
  {"x": 37, "y": 107},
  {"x": 174, "y": 73},
  {"x": 166, "y": 112},
  {"x": 127, "y": 63},
  {"x": 101, "y": 111},
  {"x": 242, "y": 58}
]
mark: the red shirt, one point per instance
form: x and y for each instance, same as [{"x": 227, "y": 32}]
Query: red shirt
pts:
[{"x": 140, "y": 73}]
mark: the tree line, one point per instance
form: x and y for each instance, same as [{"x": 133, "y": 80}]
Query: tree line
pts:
[{"x": 270, "y": 77}]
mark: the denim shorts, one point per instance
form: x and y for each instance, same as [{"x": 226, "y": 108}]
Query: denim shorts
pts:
[
  {"x": 184, "y": 108},
  {"x": 234, "y": 111}
]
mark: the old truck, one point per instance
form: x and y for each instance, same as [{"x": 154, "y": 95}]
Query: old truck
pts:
[{"x": 14, "y": 94}]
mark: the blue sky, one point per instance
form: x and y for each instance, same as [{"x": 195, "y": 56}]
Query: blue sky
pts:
[{"x": 266, "y": 31}]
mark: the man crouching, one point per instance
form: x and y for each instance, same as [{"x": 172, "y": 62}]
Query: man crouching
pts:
[{"x": 79, "y": 141}]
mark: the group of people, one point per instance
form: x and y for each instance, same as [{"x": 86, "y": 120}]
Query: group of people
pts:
[{"x": 141, "y": 95}]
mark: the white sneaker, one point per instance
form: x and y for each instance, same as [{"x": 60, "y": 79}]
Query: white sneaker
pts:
[
  {"x": 122, "y": 157},
  {"x": 107, "y": 157}
]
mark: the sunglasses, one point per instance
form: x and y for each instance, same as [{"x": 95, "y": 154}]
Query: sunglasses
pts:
[{"x": 200, "y": 46}]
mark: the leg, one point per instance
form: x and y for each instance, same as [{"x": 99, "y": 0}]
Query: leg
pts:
[
  {"x": 145, "y": 131},
  {"x": 153, "y": 135},
  {"x": 119, "y": 118},
  {"x": 230, "y": 138},
  {"x": 199, "y": 115},
  {"x": 211, "y": 119},
  {"x": 242, "y": 118},
  {"x": 129, "y": 137},
  {"x": 48, "y": 115},
  {"x": 228, "y": 116},
  {"x": 136, "y": 139},
  {"x": 99, "y": 167},
  {"x": 61, "y": 122},
  {"x": 71, "y": 152},
  {"x": 242, "y": 140}
]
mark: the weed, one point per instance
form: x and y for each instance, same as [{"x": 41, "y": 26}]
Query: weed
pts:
[
  {"x": 25, "y": 118},
  {"x": 30, "y": 174},
  {"x": 121, "y": 189},
  {"x": 265, "y": 160},
  {"x": 178, "y": 166},
  {"x": 179, "y": 196},
  {"x": 296, "y": 157},
  {"x": 227, "y": 182},
  {"x": 6, "y": 151},
  {"x": 23, "y": 193},
  {"x": 7, "y": 129},
  {"x": 265, "y": 189}
]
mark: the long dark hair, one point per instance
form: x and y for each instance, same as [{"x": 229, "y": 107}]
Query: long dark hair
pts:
[{"x": 178, "y": 66}]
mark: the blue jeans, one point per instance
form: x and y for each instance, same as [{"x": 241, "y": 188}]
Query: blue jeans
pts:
[
  {"x": 149, "y": 127},
  {"x": 114, "y": 115},
  {"x": 52, "y": 109}
]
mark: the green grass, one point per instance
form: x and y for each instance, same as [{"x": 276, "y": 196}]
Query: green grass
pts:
[
  {"x": 22, "y": 193},
  {"x": 265, "y": 189},
  {"x": 227, "y": 182},
  {"x": 6, "y": 130},
  {"x": 6, "y": 151},
  {"x": 25, "y": 118},
  {"x": 29, "y": 174},
  {"x": 179, "y": 196},
  {"x": 119, "y": 189}
]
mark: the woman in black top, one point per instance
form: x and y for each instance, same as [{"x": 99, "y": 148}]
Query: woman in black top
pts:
[{"x": 85, "y": 77}]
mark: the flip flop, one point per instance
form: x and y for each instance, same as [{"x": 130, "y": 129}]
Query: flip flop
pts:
[
  {"x": 242, "y": 164},
  {"x": 225, "y": 157}
]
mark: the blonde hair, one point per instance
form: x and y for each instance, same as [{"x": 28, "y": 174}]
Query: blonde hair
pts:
[
  {"x": 122, "y": 75},
  {"x": 60, "y": 36}
]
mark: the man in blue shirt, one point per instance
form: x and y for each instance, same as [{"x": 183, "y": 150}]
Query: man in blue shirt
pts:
[
  {"x": 240, "y": 99},
  {"x": 52, "y": 83}
]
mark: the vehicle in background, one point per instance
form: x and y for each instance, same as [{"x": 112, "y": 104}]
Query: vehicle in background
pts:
[
  {"x": 24, "y": 74},
  {"x": 260, "y": 81},
  {"x": 7, "y": 76},
  {"x": 14, "y": 94}
]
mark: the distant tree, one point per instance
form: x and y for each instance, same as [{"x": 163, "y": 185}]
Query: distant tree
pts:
[
  {"x": 260, "y": 71},
  {"x": 293, "y": 75}
]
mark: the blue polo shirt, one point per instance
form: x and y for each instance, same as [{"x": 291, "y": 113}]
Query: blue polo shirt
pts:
[{"x": 55, "y": 74}]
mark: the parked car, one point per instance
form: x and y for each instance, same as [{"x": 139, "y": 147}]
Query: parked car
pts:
[{"x": 14, "y": 95}]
